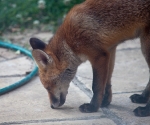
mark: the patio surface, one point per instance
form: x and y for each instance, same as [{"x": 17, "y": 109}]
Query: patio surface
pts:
[{"x": 29, "y": 104}]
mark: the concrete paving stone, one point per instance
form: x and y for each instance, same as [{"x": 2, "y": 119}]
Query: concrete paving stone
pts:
[
  {"x": 17, "y": 66},
  {"x": 7, "y": 53},
  {"x": 122, "y": 106},
  {"x": 129, "y": 44},
  {"x": 2, "y": 58},
  {"x": 30, "y": 102},
  {"x": 8, "y": 81},
  {"x": 130, "y": 72},
  {"x": 102, "y": 121}
]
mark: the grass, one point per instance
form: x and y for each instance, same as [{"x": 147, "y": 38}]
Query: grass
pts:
[{"x": 20, "y": 14}]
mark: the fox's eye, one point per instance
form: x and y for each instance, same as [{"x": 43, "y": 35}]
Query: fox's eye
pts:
[
  {"x": 68, "y": 73},
  {"x": 68, "y": 70}
]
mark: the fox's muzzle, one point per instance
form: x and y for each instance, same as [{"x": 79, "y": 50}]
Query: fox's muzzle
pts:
[{"x": 55, "y": 102}]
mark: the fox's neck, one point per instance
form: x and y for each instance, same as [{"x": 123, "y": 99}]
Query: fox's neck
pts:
[{"x": 70, "y": 55}]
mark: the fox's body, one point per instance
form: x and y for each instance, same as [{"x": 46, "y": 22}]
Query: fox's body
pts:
[{"x": 91, "y": 31}]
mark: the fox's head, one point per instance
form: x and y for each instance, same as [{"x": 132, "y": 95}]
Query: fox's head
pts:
[{"x": 55, "y": 74}]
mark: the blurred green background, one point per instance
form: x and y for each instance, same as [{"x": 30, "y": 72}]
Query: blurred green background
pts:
[{"x": 21, "y": 14}]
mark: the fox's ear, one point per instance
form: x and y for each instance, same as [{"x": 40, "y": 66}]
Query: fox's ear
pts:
[
  {"x": 37, "y": 43},
  {"x": 41, "y": 58}
]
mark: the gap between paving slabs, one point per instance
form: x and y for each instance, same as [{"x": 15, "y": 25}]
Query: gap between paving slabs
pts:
[{"x": 24, "y": 80}]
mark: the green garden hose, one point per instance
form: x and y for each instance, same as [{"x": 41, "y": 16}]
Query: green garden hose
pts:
[{"x": 24, "y": 80}]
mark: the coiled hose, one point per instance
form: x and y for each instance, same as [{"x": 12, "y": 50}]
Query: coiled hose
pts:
[{"x": 24, "y": 80}]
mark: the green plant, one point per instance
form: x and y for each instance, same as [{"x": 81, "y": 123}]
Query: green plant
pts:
[{"x": 20, "y": 14}]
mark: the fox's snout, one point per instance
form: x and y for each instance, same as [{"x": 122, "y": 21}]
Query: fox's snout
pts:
[{"x": 57, "y": 101}]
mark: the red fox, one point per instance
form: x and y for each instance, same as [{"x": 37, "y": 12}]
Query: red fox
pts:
[{"x": 91, "y": 31}]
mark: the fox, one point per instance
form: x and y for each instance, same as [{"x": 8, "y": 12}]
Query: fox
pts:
[{"x": 91, "y": 31}]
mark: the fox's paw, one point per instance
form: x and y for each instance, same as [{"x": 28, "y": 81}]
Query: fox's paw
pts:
[
  {"x": 88, "y": 108},
  {"x": 136, "y": 98},
  {"x": 142, "y": 111}
]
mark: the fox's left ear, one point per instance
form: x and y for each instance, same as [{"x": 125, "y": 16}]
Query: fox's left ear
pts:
[
  {"x": 41, "y": 58},
  {"x": 37, "y": 43}
]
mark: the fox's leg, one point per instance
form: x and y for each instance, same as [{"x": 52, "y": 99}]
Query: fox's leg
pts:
[
  {"x": 108, "y": 91},
  {"x": 100, "y": 65},
  {"x": 145, "y": 96}
]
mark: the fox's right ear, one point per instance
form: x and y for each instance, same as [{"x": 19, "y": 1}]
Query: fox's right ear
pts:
[
  {"x": 37, "y": 43},
  {"x": 41, "y": 58}
]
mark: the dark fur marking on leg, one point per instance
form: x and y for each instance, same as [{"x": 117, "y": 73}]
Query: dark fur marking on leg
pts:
[{"x": 107, "y": 96}]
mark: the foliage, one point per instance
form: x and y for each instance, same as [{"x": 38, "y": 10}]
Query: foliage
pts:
[{"x": 20, "y": 14}]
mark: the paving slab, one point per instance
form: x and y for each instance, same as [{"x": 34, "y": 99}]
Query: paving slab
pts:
[
  {"x": 123, "y": 107},
  {"x": 6, "y": 81},
  {"x": 16, "y": 66},
  {"x": 30, "y": 103},
  {"x": 102, "y": 121},
  {"x": 2, "y": 59},
  {"x": 7, "y": 54},
  {"x": 130, "y": 44}
]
